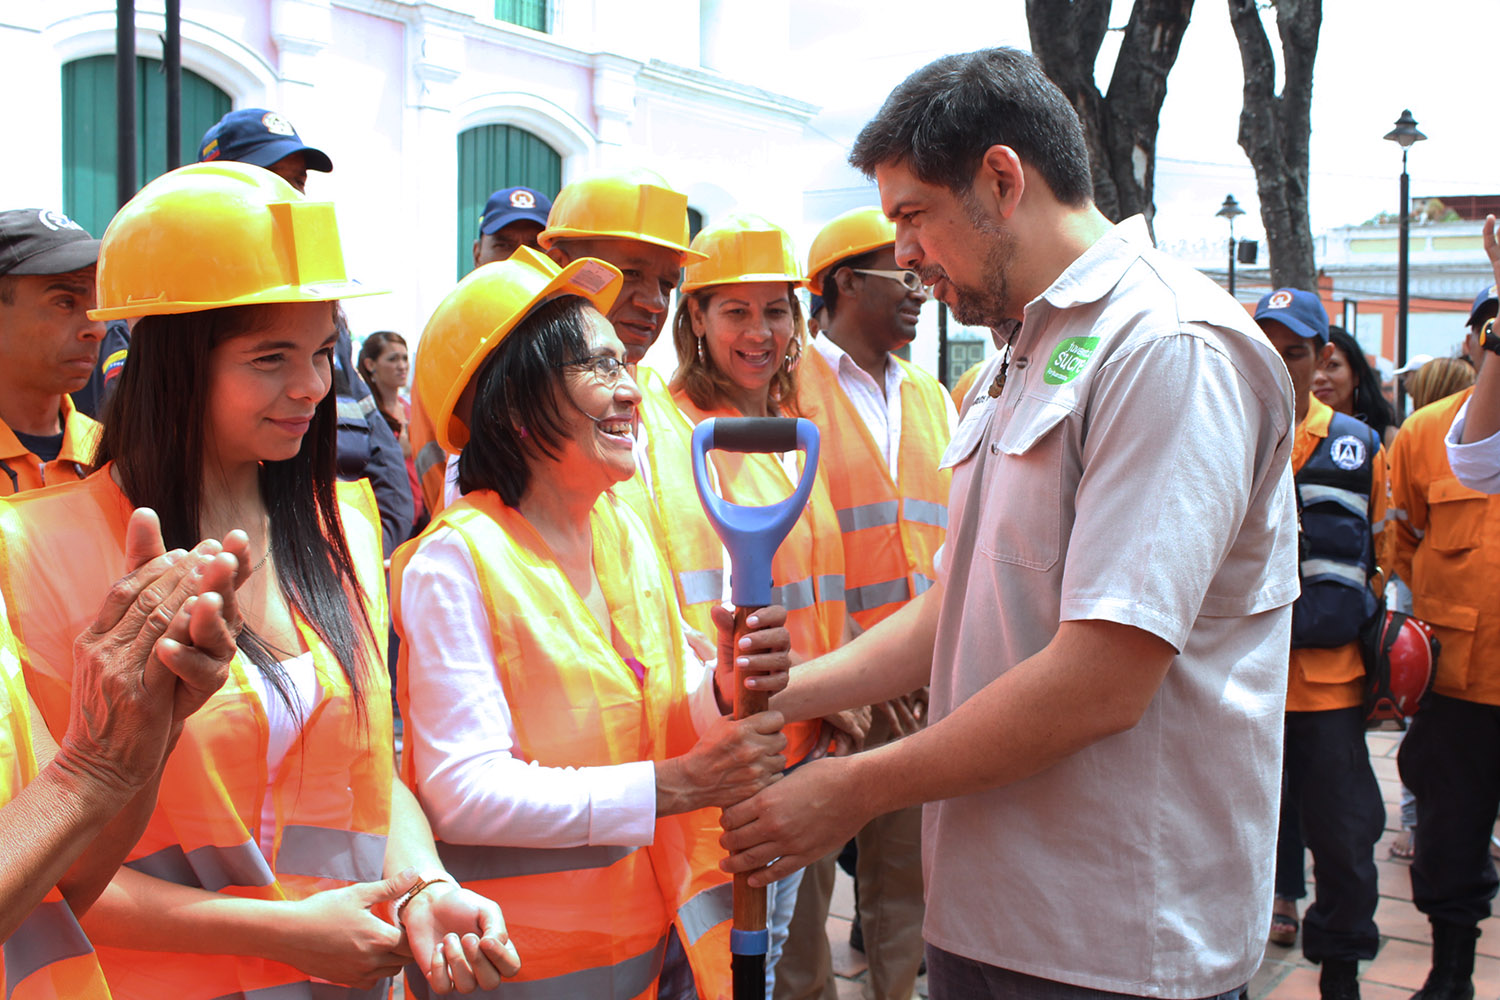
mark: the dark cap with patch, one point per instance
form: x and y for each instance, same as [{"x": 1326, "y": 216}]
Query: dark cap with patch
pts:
[
  {"x": 1300, "y": 312},
  {"x": 41, "y": 241},
  {"x": 259, "y": 137},
  {"x": 515, "y": 204}
]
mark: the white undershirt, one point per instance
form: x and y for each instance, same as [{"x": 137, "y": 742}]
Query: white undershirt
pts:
[
  {"x": 462, "y": 737},
  {"x": 1476, "y": 464},
  {"x": 879, "y": 408},
  {"x": 284, "y": 726}
]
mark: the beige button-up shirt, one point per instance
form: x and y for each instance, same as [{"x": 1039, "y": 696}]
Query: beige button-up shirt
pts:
[{"x": 1134, "y": 470}]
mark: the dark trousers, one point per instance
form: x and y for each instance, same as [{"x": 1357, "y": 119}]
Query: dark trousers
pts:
[
  {"x": 1450, "y": 760},
  {"x": 1328, "y": 785},
  {"x": 953, "y": 977}
]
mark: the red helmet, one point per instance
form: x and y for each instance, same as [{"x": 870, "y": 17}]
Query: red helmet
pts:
[{"x": 1406, "y": 660}]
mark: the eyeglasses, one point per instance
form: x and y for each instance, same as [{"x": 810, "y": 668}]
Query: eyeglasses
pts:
[
  {"x": 911, "y": 279},
  {"x": 605, "y": 368}
]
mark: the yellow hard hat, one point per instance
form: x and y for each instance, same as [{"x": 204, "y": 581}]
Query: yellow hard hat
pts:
[
  {"x": 742, "y": 248},
  {"x": 855, "y": 232},
  {"x": 475, "y": 317},
  {"x": 217, "y": 234},
  {"x": 631, "y": 205}
]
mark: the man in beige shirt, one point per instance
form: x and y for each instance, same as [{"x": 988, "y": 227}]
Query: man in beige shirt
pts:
[{"x": 1106, "y": 643}]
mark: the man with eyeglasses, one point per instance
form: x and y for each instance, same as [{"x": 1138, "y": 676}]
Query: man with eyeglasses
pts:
[{"x": 885, "y": 425}]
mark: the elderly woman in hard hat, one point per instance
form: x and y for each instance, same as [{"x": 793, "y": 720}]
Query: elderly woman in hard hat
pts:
[
  {"x": 739, "y": 334},
  {"x": 567, "y": 745},
  {"x": 283, "y": 854}
]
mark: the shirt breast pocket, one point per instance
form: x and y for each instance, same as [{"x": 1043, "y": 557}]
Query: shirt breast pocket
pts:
[
  {"x": 1021, "y": 523},
  {"x": 1455, "y": 515}
]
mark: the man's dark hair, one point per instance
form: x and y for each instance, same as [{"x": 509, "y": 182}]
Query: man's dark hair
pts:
[
  {"x": 518, "y": 400},
  {"x": 943, "y": 117},
  {"x": 831, "y": 287}
]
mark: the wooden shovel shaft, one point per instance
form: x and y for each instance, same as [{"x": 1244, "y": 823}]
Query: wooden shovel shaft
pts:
[{"x": 749, "y": 902}]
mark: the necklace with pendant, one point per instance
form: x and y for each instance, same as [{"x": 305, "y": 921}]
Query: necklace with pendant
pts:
[{"x": 998, "y": 386}]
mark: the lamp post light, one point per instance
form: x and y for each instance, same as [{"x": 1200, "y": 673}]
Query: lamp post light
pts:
[
  {"x": 1404, "y": 134},
  {"x": 1230, "y": 210}
]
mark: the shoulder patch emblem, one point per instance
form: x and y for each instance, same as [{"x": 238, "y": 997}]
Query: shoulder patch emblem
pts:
[{"x": 1348, "y": 452}]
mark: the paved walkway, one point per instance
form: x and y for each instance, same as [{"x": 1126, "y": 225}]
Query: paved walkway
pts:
[{"x": 1396, "y": 972}]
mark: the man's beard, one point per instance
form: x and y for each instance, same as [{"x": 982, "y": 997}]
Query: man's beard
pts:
[{"x": 988, "y": 305}]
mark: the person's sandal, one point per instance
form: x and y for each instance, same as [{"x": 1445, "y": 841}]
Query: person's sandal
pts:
[{"x": 1283, "y": 929}]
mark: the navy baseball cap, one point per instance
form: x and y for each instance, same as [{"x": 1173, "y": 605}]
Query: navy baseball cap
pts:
[
  {"x": 1484, "y": 298},
  {"x": 1298, "y": 311},
  {"x": 258, "y": 137},
  {"x": 514, "y": 205},
  {"x": 814, "y": 304},
  {"x": 41, "y": 241}
]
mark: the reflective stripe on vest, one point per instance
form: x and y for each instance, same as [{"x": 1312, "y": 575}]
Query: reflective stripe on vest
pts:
[
  {"x": 628, "y": 978},
  {"x": 48, "y": 935},
  {"x": 870, "y": 515},
  {"x": 1314, "y": 570},
  {"x": 794, "y": 596},
  {"x": 472, "y": 862},
  {"x": 208, "y": 867},
  {"x": 1357, "y": 504},
  {"x": 430, "y": 455},
  {"x": 311, "y": 991},
  {"x": 323, "y": 852},
  {"x": 873, "y": 595},
  {"x": 706, "y": 910},
  {"x": 925, "y": 512},
  {"x": 831, "y": 587},
  {"x": 699, "y": 585}
]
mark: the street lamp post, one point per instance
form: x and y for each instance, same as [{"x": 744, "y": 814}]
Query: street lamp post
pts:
[
  {"x": 1230, "y": 210},
  {"x": 1404, "y": 134}
]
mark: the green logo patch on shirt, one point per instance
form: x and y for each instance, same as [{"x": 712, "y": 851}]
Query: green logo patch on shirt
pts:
[{"x": 1070, "y": 358}]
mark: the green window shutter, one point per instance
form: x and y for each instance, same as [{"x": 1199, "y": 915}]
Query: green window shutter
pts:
[
  {"x": 492, "y": 157},
  {"x": 88, "y": 92},
  {"x": 533, "y": 14}
]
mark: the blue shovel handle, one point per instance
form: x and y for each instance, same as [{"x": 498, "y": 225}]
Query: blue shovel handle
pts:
[{"x": 753, "y": 534}]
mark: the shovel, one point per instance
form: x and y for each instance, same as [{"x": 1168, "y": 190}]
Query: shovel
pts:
[{"x": 751, "y": 535}]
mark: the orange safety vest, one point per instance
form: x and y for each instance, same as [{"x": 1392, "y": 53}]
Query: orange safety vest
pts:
[
  {"x": 47, "y": 957},
  {"x": 1447, "y": 549},
  {"x": 965, "y": 383},
  {"x": 21, "y": 470},
  {"x": 807, "y": 573},
  {"x": 892, "y": 531},
  {"x": 669, "y": 437},
  {"x": 588, "y": 921},
  {"x": 1322, "y": 679},
  {"x": 333, "y": 790},
  {"x": 429, "y": 458}
]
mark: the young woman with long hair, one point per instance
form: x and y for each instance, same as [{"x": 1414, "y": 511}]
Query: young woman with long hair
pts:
[{"x": 282, "y": 855}]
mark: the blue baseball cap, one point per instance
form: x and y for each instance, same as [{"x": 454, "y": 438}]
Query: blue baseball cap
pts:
[
  {"x": 814, "y": 304},
  {"x": 258, "y": 137},
  {"x": 514, "y": 204},
  {"x": 1298, "y": 311},
  {"x": 1484, "y": 298}
]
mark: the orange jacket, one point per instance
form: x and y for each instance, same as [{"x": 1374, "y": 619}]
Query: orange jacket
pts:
[
  {"x": 21, "y": 470},
  {"x": 593, "y": 920},
  {"x": 891, "y": 532},
  {"x": 808, "y": 571},
  {"x": 429, "y": 458},
  {"x": 1323, "y": 679},
  {"x": 47, "y": 957},
  {"x": 965, "y": 383},
  {"x": 1447, "y": 549},
  {"x": 333, "y": 790}
]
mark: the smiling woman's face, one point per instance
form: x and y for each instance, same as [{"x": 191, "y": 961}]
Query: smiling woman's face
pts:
[
  {"x": 746, "y": 329},
  {"x": 265, "y": 385},
  {"x": 598, "y": 408}
]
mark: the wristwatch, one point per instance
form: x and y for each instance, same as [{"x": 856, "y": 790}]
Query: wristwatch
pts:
[{"x": 1488, "y": 339}]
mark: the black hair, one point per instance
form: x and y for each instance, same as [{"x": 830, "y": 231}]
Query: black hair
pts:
[
  {"x": 831, "y": 286},
  {"x": 940, "y": 121},
  {"x": 518, "y": 396},
  {"x": 1370, "y": 404},
  {"x": 154, "y": 432}
]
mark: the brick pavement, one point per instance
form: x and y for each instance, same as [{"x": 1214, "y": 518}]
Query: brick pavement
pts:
[{"x": 1396, "y": 972}]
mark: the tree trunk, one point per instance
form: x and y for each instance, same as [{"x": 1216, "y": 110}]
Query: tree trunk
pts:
[
  {"x": 1274, "y": 130},
  {"x": 1120, "y": 126}
]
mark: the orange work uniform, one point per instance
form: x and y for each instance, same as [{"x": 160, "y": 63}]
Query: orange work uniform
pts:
[{"x": 21, "y": 470}]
